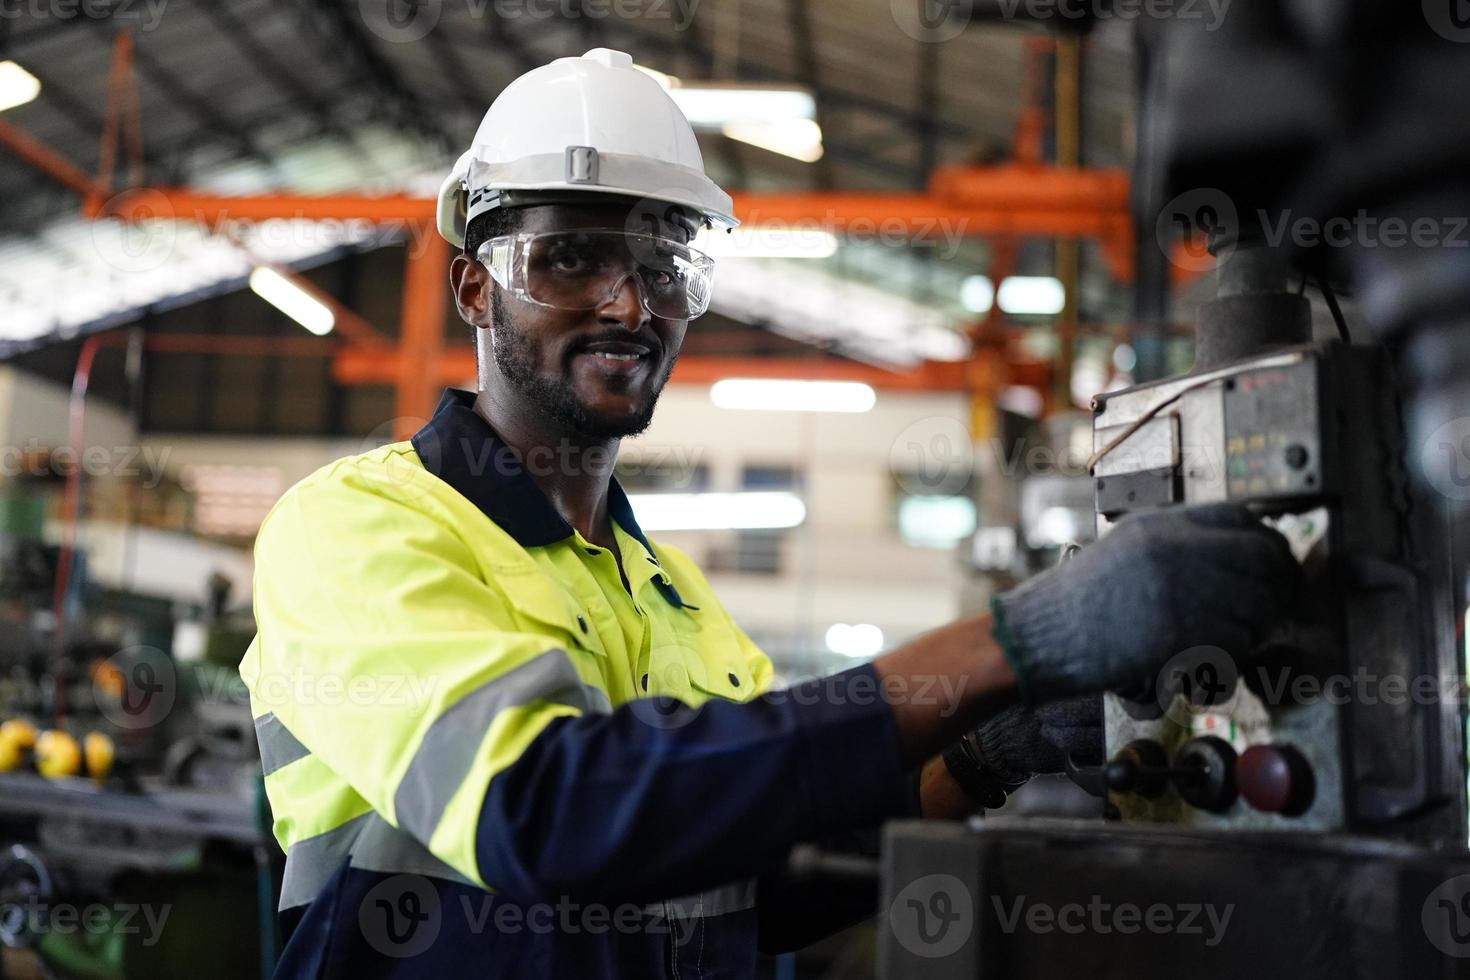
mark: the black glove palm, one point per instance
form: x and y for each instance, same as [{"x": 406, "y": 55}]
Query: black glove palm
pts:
[{"x": 1158, "y": 584}]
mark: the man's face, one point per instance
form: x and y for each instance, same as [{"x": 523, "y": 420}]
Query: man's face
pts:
[{"x": 598, "y": 372}]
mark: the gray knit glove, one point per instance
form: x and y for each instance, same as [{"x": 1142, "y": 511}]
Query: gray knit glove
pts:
[
  {"x": 1021, "y": 742},
  {"x": 1158, "y": 584}
]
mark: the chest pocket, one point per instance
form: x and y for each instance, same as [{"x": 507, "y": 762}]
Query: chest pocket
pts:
[
  {"x": 697, "y": 656},
  {"x": 540, "y": 604}
]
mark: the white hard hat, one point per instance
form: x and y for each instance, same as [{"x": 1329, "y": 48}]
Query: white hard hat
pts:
[{"x": 579, "y": 125}]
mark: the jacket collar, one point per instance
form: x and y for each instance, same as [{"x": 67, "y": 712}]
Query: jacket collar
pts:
[{"x": 460, "y": 448}]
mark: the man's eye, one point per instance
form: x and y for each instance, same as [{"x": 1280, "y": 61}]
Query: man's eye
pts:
[{"x": 568, "y": 262}]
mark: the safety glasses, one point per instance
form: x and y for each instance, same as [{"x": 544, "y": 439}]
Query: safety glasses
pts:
[{"x": 582, "y": 269}]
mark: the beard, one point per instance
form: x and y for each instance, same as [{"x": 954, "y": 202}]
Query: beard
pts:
[{"x": 516, "y": 358}]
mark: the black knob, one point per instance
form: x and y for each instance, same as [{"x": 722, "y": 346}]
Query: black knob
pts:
[
  {"x": 1205, "y": 773},
  {"x": 1297, "y": 455},
  {"x": 1141, "y": 767}
]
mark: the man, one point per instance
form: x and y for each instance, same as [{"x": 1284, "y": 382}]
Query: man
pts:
[{"x": 506, "y": 734}]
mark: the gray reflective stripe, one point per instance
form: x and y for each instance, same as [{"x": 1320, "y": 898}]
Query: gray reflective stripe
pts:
[
  {"x": 448, "y": 749},
  {"x": 383, "y": 847},
  {"x": 278, "y": 747},
  {"x": 368, "y": 842},
  {"x": 736, "y": 897},
  {"x": 311, "y": 863}
]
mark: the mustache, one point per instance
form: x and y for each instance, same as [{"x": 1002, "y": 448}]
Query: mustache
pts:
[{"x": 646, "y": 338}]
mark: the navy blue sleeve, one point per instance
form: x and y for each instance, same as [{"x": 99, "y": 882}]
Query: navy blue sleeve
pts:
[{"x": 657, "y": 800}]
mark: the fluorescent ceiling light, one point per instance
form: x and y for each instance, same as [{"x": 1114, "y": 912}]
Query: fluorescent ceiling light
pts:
[
  {"x": 717, "y": 511},
  {"x": 1022, "y": 400},
  {"x": 769, "y": 242},
  {"x": 292, "y": 300},
  {"x": 977, "y": 294},
  {"x": 17, "y": 86},
  {"x": 710, "y": 106},
  {"x": 665, "y": 81},
  {"x": 936, "y": 521},
  {"x": 1032, "y": 295},
  {"x": 854, "y": 640},
  {"x": 799, "y": 139},
  {"x": 779, "y": 395}
]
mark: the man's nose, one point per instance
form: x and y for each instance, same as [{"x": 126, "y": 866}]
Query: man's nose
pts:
[{"x": 624, "y": 304}]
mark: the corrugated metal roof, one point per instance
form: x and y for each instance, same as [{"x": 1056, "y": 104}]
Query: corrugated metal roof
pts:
[{"x": 314, "y": 97}]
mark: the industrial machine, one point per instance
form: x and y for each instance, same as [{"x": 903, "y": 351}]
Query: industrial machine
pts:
[
  {"x": 1316, "y": 790},
  {"x": 1299, "y": 813},
  {"x": 134, "y": 834}
]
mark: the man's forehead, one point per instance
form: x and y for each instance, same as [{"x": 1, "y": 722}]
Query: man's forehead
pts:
[{"x": 602, "y": 214}]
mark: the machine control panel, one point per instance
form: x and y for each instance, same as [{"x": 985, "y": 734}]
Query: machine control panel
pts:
[{"x": 1309, "y": 439}]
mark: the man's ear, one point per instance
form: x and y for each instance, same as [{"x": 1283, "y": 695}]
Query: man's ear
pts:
[{"x": 471, "y": 284}]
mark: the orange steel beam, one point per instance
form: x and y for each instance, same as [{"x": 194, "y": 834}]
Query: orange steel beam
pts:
[
  {"x": 1011, "y": 199},
  {"x": 366, "y": 366},
  {"x": 425, "y": 294},
  {"x": 1039, "y": 190},
  {"x": 32, "y": 151},
  {"x": 183, "y": 204},
  {"x": 962, "y": 202}
]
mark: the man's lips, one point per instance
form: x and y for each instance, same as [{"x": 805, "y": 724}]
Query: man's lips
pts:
[{"x": 617, "y": 354}]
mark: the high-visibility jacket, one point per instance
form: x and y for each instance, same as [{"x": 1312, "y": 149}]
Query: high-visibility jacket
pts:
[{"x": 487, "y": 757}]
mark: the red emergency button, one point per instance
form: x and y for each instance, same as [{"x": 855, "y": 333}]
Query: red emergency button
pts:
[{"x": 1275, "y": 779}]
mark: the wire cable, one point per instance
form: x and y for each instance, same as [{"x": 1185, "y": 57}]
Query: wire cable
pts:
[
  {"x": 1337, "y": 317},
  {"x": 1144, "y": 419}
]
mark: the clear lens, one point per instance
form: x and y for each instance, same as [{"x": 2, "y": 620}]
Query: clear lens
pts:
[{"x": 580, "y": 270}]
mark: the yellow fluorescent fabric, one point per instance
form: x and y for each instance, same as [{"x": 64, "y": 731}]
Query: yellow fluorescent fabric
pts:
[{"x": 395, "y": 616}]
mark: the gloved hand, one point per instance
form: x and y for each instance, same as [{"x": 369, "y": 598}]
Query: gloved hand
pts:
[
  {"x": 1158, "y": 584},
  {"x": 1022, "y": 742}
]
